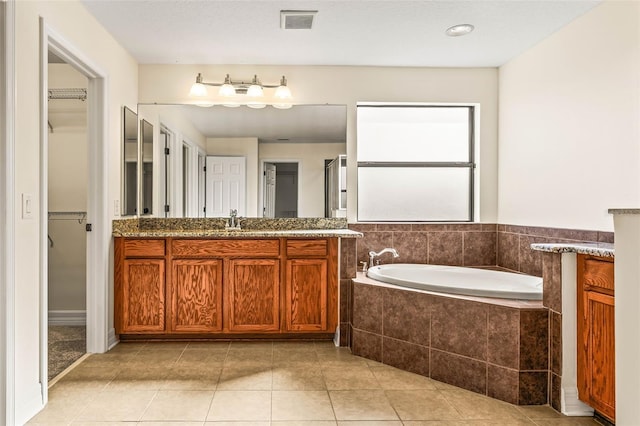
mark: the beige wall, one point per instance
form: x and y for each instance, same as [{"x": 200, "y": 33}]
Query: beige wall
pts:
[
  {"x": 67, "y": 192},
  {"x": 569, "y": 123},
  {"x": 73, "y": 23},
  {"x": 349, "y": 85}
]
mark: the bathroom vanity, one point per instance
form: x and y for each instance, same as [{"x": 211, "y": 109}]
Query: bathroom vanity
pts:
[
  {"x": 213, "y": 283},
  {"x": 596, "y": 334}
]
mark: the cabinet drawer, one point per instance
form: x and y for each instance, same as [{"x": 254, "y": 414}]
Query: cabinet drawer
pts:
[
  {"x": 306, "y": 248},
  {"x": 143, "y": 248},
  {"x": 224, "y": 248},
  {"x": 599, "y": 274}
]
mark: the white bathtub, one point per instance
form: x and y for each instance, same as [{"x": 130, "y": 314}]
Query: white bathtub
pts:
[{"x": 459, "y": 280}]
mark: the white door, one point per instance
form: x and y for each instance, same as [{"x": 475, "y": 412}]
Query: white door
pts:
[
  {"x": 225, "y": 186},
  {"x": 269, "y": 208},
  {"x": 201, "y": 184}
]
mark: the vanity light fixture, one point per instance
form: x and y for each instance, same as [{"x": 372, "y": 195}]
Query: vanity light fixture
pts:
[
  {"x": 253, "y": 90},
  {"x": 459, "y": 30}
]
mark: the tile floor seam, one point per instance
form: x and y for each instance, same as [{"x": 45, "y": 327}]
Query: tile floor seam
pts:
[{"x": 147, "y": 407}]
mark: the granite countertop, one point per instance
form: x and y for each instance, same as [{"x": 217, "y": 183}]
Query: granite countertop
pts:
[
  {"x": 216, "y": 228},
  {"x": 594, "y": 249},
  {"x": 249, "y": 233}
]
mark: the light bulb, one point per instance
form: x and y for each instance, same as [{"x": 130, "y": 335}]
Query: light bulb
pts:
[
  {"x": 255, "y": 91},
  {"x": 283, "y": 92},
  {"x": 198, "y": 90},
  {"x": 227, "y": 90},
  {"x": 256, "y": 105}
]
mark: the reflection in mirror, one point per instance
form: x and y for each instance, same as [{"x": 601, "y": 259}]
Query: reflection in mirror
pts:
[
  {"x": 129, "y": 162},
  {"x": 147, "y": 167},
  {"x": 306, "y": 135}
]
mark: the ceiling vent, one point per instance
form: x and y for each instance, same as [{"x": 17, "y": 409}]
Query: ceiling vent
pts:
[{"x": 297, "y": 19}]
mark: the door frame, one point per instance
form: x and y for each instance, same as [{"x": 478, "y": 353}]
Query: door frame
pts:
[
  {"x": 261, "y": 174},
  {"x": 98, "y": 240},
  {"x": 7, "y": 214}
]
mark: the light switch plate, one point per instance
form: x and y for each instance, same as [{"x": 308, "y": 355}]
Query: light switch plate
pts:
[
  {"x": 27, "y": 206},
  {"x": 116, "y": 208}
]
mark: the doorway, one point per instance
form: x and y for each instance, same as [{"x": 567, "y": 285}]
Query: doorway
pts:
[
  {"x": 280, "y": 189},
  {"x": 99, "y": 334},
  {"x": 67, "y": 165}
]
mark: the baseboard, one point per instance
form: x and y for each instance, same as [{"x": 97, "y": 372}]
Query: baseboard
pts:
[
  {"x": 67, "y": 317},
  {"x": 571, "y": 405},
  {"x": 30, "y": 406},
  {"x": 112, "y": 339}
]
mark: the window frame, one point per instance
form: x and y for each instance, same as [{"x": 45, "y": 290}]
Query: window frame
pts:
[{"x": 471, "y": 165}]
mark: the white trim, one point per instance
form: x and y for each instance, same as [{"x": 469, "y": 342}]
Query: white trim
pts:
[
  {"x": 336, "y": 336},
  {"x": 43, "y": 246},
  {"x": 112, "y": 339},
  {"x": 98, "y": 157},
  {"x": 7, "y": 214},
  {"x": 571, "y": 405},
  {"x": 30, "y": 405},
  {"x": 261, "y": 183},
  {"x": 67, "y": 317}
]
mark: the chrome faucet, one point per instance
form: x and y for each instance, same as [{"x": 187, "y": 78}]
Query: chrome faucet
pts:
[
  {"x": 373, "y": 254},
  {"x": 234, "y": 223}
]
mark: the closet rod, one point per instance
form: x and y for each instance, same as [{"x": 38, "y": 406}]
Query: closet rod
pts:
[
  {"x": 71, "y": 93},
  {"x": 59, "y": 215}
]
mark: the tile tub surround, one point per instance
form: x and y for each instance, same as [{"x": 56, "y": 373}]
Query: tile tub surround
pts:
[
  {"x": 499, "y": 350},
  {"x": 463, "y": 244},
  {"x": 514, "y": 244},
  {"x": 457, "y": 244}
]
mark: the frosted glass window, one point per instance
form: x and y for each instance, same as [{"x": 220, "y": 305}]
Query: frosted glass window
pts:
[
  {"x": 426, "y": 134},
  {"x": 413, "y": 194},
  {"x": 415, "y": 163}
]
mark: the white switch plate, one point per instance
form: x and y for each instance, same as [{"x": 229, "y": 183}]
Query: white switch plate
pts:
[
  {"x": 116, "y": 208},
  {"x": 27, "y": 206}
]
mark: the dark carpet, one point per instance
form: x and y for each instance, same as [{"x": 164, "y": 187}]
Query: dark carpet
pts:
[{"x": 66, "y": 345}]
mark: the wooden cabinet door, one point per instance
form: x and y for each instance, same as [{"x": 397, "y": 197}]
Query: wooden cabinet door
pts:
[
  {"x": 196, "y": 296},
  {"x": 601, "y": 350},
  {"x": 143, "y": 298},
  {"x": 253, "y": 291},
  {"x": 306, "y": 295}
]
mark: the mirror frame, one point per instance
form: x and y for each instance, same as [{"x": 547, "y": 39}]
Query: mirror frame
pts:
[
  {"x": 146, "y": 136},
  {"x": 128, "y": 115}
]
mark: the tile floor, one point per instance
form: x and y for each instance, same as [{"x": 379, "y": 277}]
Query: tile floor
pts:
[{"x": 265, "y": 383}]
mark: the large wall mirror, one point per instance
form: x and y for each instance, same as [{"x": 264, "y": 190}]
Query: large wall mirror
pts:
[
  {"x": 146, "y": 196},
  {"x": 129, "y": 162},
  {"x": 286, "y": 153}
]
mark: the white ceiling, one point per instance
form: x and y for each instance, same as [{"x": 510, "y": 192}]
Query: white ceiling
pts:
[{"x": 351, "y": 32}]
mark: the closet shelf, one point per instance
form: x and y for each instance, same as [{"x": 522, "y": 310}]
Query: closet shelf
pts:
[{"x": 79, "y": 216}]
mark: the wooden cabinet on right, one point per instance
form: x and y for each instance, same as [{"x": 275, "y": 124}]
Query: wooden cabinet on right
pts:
[
  {"x": 596, "y": 343},
  {"x": 309, "y": 284}
]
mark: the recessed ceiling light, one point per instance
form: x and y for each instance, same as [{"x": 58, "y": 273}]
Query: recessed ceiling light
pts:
[{"x": 459, "y": 30}]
